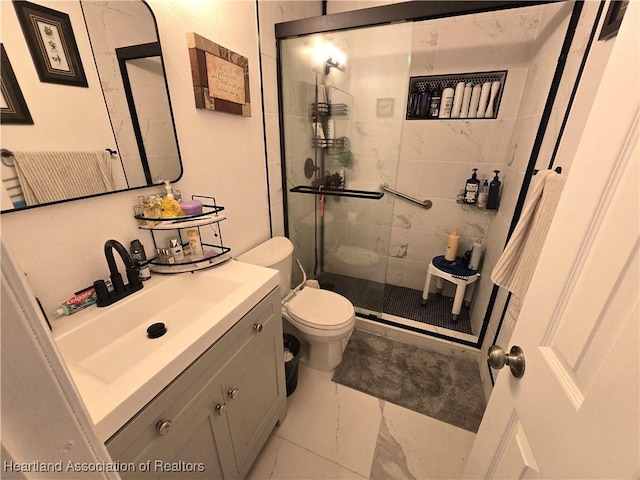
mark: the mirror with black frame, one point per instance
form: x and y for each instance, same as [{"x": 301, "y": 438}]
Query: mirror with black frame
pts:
[{"x": 127, "y": 110}]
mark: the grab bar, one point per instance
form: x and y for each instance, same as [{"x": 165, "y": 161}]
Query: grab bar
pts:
[{"x": 422, "y": 203}]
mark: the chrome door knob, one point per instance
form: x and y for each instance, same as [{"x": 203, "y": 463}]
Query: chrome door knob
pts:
[
  {"x": 220, "y": 408},
  {"x": 163, "y": 427},
  {"x": 257, "y": 327},
  {"x": 233, "y": 393},
  {"x": 497, "y": 358}
]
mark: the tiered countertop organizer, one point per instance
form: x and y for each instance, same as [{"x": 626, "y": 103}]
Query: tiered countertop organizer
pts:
[{"x": 213, "y": 253}]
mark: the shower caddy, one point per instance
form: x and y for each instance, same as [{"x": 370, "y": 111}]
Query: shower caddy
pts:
[{"x": 213, "y": 253}]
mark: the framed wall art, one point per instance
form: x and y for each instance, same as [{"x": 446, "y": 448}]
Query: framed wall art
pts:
[
  {"x": 52, "y": 44},
  {"x": 613, "y": 20},
  {"x": 14, "y": 109},
  {"x": 220, "y": 77}
]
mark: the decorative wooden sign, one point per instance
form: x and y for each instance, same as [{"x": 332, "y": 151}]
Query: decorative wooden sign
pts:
[{"x": 220, "y": 77}]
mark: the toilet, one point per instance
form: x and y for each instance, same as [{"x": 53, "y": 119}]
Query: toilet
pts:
[{"x": 323, "y": 319}]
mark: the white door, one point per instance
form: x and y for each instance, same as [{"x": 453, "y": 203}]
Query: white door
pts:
[{"x": 574, "y": 413}]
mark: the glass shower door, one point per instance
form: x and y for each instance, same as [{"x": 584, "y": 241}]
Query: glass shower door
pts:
[{"x": 343, "y": 105}]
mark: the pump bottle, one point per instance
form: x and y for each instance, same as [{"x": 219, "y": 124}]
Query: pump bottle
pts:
[
  {"x": 494, "y": 192},
  {"x": 471, "y": 188},
  {"x": 452, "y": 246}
]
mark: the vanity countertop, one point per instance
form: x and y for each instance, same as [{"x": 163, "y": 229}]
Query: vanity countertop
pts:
[{"x": 118, "y": 370}]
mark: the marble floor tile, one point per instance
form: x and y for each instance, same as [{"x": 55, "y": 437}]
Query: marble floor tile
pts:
[
  {"x": 281, "y": 460},
  {"x": 332, "y": 421},
  {"x": 411, "y": 445}
]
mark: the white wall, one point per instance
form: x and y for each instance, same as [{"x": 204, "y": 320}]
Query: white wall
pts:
[{"x": 60, "y": 247}]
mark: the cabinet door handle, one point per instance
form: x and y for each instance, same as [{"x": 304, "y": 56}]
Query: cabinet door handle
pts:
[
  {"x": 221, "y": 407},
  {"x": 233, "y": 393},
  {"x": 257, "y": 327},
  {"x": 163, "y": 427}
]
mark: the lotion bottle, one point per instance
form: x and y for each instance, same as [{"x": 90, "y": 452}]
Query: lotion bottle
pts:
[
  {"x": 471, "y": 189},
  {"x": 452, "y": 246},
  {"x": 483, "y": 195}
]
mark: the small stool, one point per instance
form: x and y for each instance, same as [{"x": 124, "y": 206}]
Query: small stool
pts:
[{"x": 456, "y": 272}]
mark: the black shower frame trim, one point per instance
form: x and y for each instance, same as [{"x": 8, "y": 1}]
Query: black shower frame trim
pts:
[{"x": 411, "y": 12}]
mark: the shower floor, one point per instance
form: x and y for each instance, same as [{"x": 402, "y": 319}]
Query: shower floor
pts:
[{"x": 399, "y": 301}]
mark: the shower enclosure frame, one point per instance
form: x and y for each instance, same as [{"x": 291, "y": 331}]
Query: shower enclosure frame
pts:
[{"x": 412, "y": 12}]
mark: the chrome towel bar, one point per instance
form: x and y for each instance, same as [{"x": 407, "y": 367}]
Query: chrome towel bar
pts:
[{"x": 422, "y": 203}]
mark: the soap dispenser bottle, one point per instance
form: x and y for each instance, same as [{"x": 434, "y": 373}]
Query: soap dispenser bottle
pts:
[
  {"x": 483, "y": 195},
  {"x": 471, "y": 188},
  {"x": 494, "y": 192}
]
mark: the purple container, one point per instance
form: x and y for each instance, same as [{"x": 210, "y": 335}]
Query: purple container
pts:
[{"x": 192, "y": 207}]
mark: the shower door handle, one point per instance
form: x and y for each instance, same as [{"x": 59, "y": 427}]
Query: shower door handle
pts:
[
  {"x": 497, "y": 358},
  {"x": 422, "y": 203}
]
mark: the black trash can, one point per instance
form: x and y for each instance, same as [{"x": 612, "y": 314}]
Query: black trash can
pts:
[{"x": 291, "y": 345}]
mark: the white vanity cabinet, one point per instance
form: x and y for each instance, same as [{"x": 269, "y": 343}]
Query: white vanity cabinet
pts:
[{"x": 214, "y": 418}]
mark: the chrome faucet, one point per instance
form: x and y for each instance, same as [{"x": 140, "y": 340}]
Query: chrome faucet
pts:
[{"x": 120, "y": 290}]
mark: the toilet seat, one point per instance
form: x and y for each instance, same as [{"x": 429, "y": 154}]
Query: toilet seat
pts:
[{"x": 320, "y": 309}]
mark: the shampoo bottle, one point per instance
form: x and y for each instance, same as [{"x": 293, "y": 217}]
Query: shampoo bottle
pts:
[
  {"x": 446, "y": 104},
  {"x": 494, "y": 192},
  {"x": 452, "y": 246},
  {"x": 424, "y": 105},
  {"x": 471, "y": 189},
  {"x": 434, "y": 109}
]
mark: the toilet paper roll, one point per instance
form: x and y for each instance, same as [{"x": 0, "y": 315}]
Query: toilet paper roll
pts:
[
  {"x": 457, "y": 100},
  {"x": 475, "y": 99},
  {"x": 484, "y": 99}
]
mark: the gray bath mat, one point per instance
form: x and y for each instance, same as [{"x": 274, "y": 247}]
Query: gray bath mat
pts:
[{"x": 441, "y": 386}]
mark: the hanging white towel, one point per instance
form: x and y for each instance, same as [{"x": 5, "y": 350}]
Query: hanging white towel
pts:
[
  {"x": 515, "y": 267},
  {"x": 51, "y": 176}
]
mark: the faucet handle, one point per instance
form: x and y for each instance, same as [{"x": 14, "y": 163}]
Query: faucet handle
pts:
[
  {"x": 118, "y": 283},
  {"x": 102, "y": 292},
  {"x": 133, "y": 276}
]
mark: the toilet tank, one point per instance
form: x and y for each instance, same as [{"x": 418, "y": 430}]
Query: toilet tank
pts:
[{"x": 277, "y": 252}]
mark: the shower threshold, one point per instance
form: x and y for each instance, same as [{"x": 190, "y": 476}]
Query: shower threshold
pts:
[{"x": 401, "y": 306}]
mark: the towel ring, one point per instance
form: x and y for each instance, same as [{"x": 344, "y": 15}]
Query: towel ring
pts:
[{"x": 6, "y": 155}]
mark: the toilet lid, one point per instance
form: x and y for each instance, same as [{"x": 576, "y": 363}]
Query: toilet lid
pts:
[{"x": 320, "y": 309}]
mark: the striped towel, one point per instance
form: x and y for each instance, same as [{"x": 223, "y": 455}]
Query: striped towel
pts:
[
  {"x": 515, "y": 267},
  {"x": 51, "y": 176}
]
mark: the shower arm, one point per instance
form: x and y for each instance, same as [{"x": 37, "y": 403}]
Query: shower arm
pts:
[{"x": 422, "y": 203}]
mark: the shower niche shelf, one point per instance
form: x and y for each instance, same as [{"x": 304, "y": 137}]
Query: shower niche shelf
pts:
[
  {"x": 345, "y": 192},
  {"x": 212, "y": 253},
  {"x": 421, "y": 88}
]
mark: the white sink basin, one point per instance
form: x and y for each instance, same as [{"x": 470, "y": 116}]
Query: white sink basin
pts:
[
  {"x": 118, "y": 369},
  {"x": 115, "y": 340}
]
